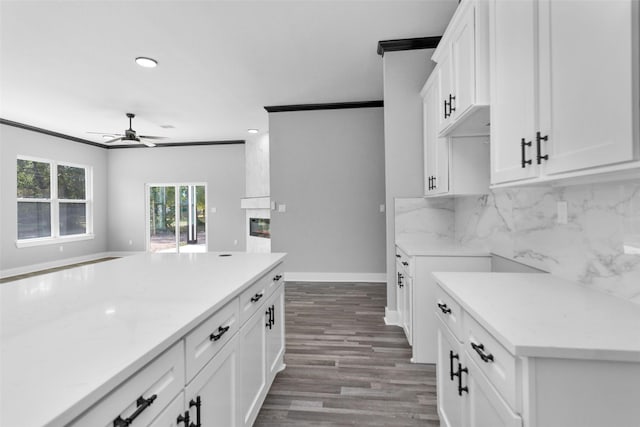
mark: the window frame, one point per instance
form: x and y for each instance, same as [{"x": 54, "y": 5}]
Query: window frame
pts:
[{"x": 54, "y": 201}]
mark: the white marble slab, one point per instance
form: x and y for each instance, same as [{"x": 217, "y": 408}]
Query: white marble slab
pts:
[
  {"x": 540, "y": 315},
  {"x": 68, "y": 338}
]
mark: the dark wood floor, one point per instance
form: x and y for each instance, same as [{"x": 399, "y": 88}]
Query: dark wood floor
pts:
[{"x": 345, "y": 367}]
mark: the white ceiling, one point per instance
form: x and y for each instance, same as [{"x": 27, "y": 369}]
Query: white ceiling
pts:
[{"x": 68, "y": 66}]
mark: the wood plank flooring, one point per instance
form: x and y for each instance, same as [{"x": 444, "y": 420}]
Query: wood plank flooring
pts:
[{"x": 345, "y": 367}]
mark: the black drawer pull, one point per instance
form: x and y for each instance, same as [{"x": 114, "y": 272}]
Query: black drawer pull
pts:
[
  {"x": 479, "y": 348},
  {"x": 451, "y": 105},
  {"x": 256, "y": 297},
  {"x": 539, "y": 139},
  {"x": 443, "y": 307},
  {"x": 142, "y": 404},
  {"x": 397, "y": 255},
  {"x": 452, "y": 356},
  {"x": 524, "y": 162},
  {"x": 197, "y": 403},
  {"x": 221, "y": 331},
  {"x": 461, "y": 370},
  {"x": 277, "y": 277},
  {"x": 446, "y": 115},
  {"x": 400, "y": 277},
  {"x": 405, "y": 263},
  {"x": 269, "y": 324}
]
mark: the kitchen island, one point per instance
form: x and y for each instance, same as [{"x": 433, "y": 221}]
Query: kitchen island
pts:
[{"x": 73, "y": 338}]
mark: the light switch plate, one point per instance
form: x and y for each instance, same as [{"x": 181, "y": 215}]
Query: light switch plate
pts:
[
  {"x": 282, "y": 207},
  {"x": 563, "y": 214}
]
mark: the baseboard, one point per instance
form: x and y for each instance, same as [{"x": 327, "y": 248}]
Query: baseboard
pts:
[
  {"x": 391, "y": 317},
  {"x": 336, "y": 277},
  {"x": 59, "y": 263}
]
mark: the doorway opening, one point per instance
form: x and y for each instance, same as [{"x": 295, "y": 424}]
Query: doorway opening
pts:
[{"x": 176, "y": 218}]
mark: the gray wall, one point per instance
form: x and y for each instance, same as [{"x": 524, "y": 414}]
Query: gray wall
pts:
[
  {"x": 222, "y": 167},
  {"x": 404, "y": 75},
  {"x": 14, "y": 142},
  {"x": 327, "y": 166}
]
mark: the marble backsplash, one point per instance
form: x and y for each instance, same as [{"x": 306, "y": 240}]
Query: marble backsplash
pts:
[
  {"x": 599, "y": 246},
  {"x": 419, "y": 219}
]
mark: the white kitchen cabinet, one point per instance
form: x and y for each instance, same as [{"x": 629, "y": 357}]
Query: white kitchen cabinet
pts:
[
  {"x": 275, "y": 333},
  {"x": 534, "y": 350},
  {"x": 555, "y": 113},
  {"x": 416, "y": 291},
  {"x": 462, "y": 55},
  {"x": 211, "y": 398},
  {"x": 453, "y": 166}
]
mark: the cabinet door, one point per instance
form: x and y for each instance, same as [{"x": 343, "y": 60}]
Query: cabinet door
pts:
[
  {"x": 513, "y": 89},
  {"x": 436, "y": 152},
  {"x": 407, "y": 319},
  {"x": 445, "y": 90},
  {"x": 586, "y": 105},
  {"x": 400, "y": 278},
  {"x": 484, "y": 406},
  {"x": 449, "y": 401},
  {"x": 214, "y": 389},
  {"x": 252, "y": 366},
  {"x": 464, "y": 65},
  {"x": 275, "y": 333}
]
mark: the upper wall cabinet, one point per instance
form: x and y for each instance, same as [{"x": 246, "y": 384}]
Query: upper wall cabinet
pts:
[
  {"x": 564, "y": 88},
  {"x": 463, "y": 86},
  {"x": 455, "y": 165}
]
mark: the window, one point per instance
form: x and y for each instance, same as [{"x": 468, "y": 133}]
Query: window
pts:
[{"x": 53, "y": 201}]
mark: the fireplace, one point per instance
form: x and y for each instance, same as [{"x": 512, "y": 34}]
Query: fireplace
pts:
[{"x": 259, "y": 227}]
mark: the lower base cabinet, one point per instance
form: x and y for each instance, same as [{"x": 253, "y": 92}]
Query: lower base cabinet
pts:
[{"x": 275, "y": 334}]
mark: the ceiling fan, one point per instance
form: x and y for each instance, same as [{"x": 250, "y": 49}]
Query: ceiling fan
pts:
[{"x": 130, "y": 135}]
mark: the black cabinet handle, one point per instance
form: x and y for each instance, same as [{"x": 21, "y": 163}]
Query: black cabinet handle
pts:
[
  {"x": 444, "y": 308},
  {"x": 452, "y": 356},
  {"x": 141, "y": 404},
  {"x": 256, "y": 297},
  {"x": 451, "y": 107},
  {"x": 197, "y": 403},
  {"x": 405, "y": 263},
  {"x": 429, "y": 184},
  {"x": 433, "y": 183},
  {"x": 268, "y": 314},
  {"x": 479, "y": 348},
  {"x": 461, "y": 370},
  {"x": 539, "y": 139},
  {"x": 398, "y": 256},
  {"x": 277, "y": 277},
  {"x": 400, "y": 277},
  {"x": 184, "y": 418},
  {"x": 273, "y": 315},
  {"x": 445, "y": 109},
  {"x": 524, "y": 162},
  {"x": 220, "y": 332}
]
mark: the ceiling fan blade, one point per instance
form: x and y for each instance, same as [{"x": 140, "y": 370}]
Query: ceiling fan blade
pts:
[
  {"x": 113, "y": 140},
  {"x": 148, "y": 144},
  {"x": 106, "y": 133},
  {"x": 152, "y": 137}
]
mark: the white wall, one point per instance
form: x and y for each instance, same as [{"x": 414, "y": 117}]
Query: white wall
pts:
[
  {"x": 327, "y": 167},
  {"x": 404, "y": 75},
  {"x": 221, "y": 167},
  {"x": 15, "y": 141}
]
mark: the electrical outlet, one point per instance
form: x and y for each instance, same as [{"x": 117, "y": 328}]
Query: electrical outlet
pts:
[
  {"x": 563, "y": 214},
  {"x": 282, "y": 207}
]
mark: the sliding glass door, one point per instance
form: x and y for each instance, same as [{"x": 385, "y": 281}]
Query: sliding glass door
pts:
[{"x": 176, "y": 218}]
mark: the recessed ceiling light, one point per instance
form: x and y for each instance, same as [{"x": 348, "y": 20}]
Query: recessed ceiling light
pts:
[
  {"x": 146, "y": 62},
  {"x": 252, "y": 130}
]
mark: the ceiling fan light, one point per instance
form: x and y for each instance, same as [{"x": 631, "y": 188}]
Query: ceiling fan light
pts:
[{"x": 146, "y": 62}]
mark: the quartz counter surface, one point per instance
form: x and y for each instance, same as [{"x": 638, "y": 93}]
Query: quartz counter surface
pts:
[
  {"x": 68, "y": 338},
  {"x": 540, "y": 315},
  {"x": 438, "y": 247}
]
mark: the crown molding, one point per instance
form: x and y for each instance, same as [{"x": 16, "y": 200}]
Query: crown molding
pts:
[
  {"x": 408, "y": 44},
  {"x": 327, "y": 106},
  {"x": 109, "y": 147}
]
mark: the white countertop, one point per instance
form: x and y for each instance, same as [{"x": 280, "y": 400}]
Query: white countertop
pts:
[
  {"x": 438, "y": 247},
  {"x": 540, "y": 315},
  {"x": 68, "y": 338}
]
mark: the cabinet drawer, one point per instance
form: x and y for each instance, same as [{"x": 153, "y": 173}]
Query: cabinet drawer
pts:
[
  {"x": 492, "y": 358},
  {"x": 405, "y": 262},
  {"x": 206, "y": 340},
  {"x": 169, "y": 417},
  {"x": 273, "y": 278},
  {"x": 252, "y": 299},
  {"x": 153, "y": 387},
  {"x": 449, "y": 312}
]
